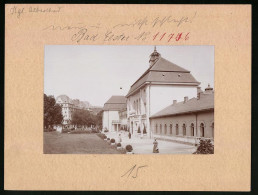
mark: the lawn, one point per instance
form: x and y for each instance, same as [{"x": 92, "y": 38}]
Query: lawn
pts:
[{"x": 64, "y": 143}]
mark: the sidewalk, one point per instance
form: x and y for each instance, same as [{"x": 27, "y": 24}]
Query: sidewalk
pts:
[{"x": 145, "y": 145}]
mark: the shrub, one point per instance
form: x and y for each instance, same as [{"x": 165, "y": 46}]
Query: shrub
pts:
[
  {"x": 118, "y": 145},
  {"x": 205, "y": 147},
  {"x": 129, "y": 148},
  {"x": 113, "y": 140},
  {"x": 94, "y": 131},
  {"x": 80, "y": 132},
  {"x": 65, "y": 130},
  {"x": 105, "y": 137},
  {"x": 49, "y": 130},
  {"x": 105, "y": 130},
  {"x": 101, "y": 135},
  {"x": 139, "y": 130},
  {"x": 108, "y": 138}
]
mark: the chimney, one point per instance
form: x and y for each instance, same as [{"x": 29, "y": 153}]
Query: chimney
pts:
[
  {"x": 174, "y": 102},
  {"x": 185, "y": 99},
  {"x": 154, "y": 57},
  {"x": 199, "y": 91},
  {"x": 209, "y": 89}
]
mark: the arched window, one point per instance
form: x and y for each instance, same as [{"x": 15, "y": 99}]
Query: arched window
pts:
[
  {"x": 160, "y": 128},
  {"x": 202, "y": 130},
  {"x": 184, "y": 130},
  {"x": 156, "y": 130},
  {"x": 139, "y": 106},
  {"x": 177, "y": 131},
  {"x": 192, "y": 129},
  {"x": 212, "y": 130},
  {"x": 165, "y": 129},
  {"x": 170, "y": 129},
  {"x": 136, "y": 106}
]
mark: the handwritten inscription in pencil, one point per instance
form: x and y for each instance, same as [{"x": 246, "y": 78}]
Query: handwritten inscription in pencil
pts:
[
  {"x": 133, "y": 172},
  {"x": 19, "y": 11},
  {"x": 147, "y": 28}
]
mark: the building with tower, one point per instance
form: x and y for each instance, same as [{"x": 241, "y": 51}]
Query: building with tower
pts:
[{"x": 158, "y": 86}]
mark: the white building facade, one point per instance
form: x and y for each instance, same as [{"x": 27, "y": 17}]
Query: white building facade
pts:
[
  {"x": 113, "y": 114},
  {"x": 163, "y": 82}
]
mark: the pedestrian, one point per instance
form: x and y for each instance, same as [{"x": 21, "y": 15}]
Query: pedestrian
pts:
[
  {"x": 119, "y": 138},
  {"x": 155, "y": 146},
  {"x": 129, "y": 135}
]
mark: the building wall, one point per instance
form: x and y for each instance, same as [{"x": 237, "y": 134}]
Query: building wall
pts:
[
  {"x": 108, "y": 117},
  {"x": 205, "y": 118},
  {"x": 162, "y": 96},
  {"x": 67, "y": 110},
  {"x": 137, "y": 110},
  {"x": 151, "y": 99}
]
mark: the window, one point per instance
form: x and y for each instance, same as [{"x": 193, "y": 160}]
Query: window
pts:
[
  {"x": 192, "y": 129},
  {"x": 156, "y": 130},
  {"x": 170, "y": 129},
  {"x": 165, "y": 129},
  {"x": 136, "y": 106},
  {"x": 177, "y": 131},
  {"x": 212, "y": 130},
  {"x": 140, "y": 106},
  {"x": 202, "y": 130},
  {"x": 184, "y": 130},
  {"x": 160, "y": 128}
]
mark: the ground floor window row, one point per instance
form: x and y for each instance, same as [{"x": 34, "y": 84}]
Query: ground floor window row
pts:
[{"x": 183, "y": 130}]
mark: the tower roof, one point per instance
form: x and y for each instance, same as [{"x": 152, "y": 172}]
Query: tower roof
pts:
[
  {"x": 64, "y": 98},
  {"x": 164, "y": 71}
]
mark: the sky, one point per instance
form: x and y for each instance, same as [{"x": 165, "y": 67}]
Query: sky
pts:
[{"x": 94, "y": 73}]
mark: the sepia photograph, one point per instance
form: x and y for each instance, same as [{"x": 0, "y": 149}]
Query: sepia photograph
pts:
[{"x": 128, "y": 99}]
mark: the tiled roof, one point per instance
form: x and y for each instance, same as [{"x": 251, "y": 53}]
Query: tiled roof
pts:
[
  {"x": 117, "y": 99},
  {"x": 206, "y": 102},
  {"x": 115, "y": 103},
  {"x": 166, "y": 72},
  {"x": 165, "y": 65},
  {"x": 64, "y": 98},
  {"x": 114, "y": 107}
]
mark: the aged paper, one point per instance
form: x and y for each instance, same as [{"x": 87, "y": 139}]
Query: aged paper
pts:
[{"x": 30, "y": 27}]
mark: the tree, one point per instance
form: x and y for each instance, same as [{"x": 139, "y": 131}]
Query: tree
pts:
[
  {"x": 52, "y": 112},
  {"x": 98, "y": 119},
  {"x": 82, "y": 117}
]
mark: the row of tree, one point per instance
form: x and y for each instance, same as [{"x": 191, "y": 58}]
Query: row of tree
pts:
[
  {"x": 53, "y": 115},
  {"x": 85, "y": 118}
]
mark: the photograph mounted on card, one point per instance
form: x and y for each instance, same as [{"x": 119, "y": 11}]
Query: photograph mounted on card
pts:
[{"x": 121, "y": 97}]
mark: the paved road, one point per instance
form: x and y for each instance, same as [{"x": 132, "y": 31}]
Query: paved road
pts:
[{"x": 63, "y": 143}]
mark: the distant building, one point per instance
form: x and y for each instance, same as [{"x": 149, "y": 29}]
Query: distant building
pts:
[
  {"x": 162, "y": 82},
  {"x": 187, "y": 120},
  {"x": 69, "y": 106},
  {"x": 114, "y": 108}
]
